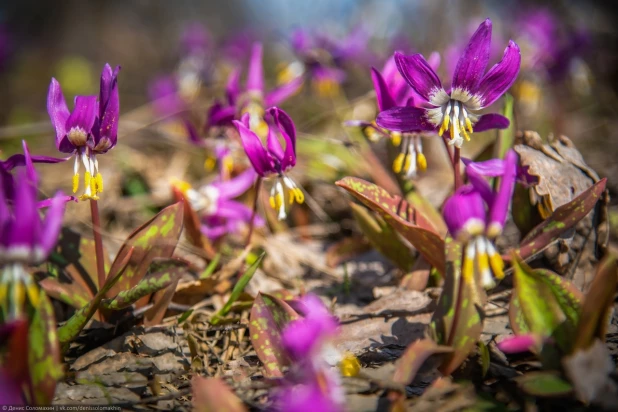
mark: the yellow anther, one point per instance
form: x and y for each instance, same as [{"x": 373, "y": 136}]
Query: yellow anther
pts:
[
  {"x": 181, "y": 185},
  {"x": 464, "y": 132},
  {"x": 210, "y": 164},
  {"x": 398, "y": 163},
  {"x": 262, "y": 129},
  {"x": 33, "y": 294},
  {"x": 299, "y": 195},
  {"x": 468, "y": 269},
  {"x": 228, "y": 162},
  {"x": 93, "y": 185},
  {"x": 276, "y": 201},
  {"x": 349, "y": 366},
  {"x": 469, "y": 125},
  {"x": 483, "y": 261},
  {"x": 271, "y": 200},
  {"x": 291, "y": 195},
  {"x": 444, "y": 126},
  {"x": 75, "y": 182},
  {"x": 3, "y": 292},
  {"x": 285, "y": 75},
  {"x": 408, "y": 162},
  {"x": 453, "y": 130},
  {"x": 87, "y": 180},
  {"x": 421, "y": 162},
  {"x": 396, "y": 138},
  {"x": 497, "y": 265},
  {"x": 99, "y": 182}
]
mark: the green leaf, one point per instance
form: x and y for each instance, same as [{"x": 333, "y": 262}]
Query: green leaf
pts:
[
  {"x": 549, "y": 304},
  {"x": 43, "y": 352},
  {"x": 161, "y": 274},
  {"x": 545, "y": 384},
  {"x": 398, "y": 213},
  {"x": 269, "y": 315},
  {"x": 212, "y": 266},
  {"x": 506, "y": 136},
  {"x": 213, "y": 395},
  {"x": 184, "y": 316},
  {"x": 597, "y": 305},
  {"x": 458, "y": 319},
  {"x": 425, "y": 208},
  {"x": 413, "y": 358},
  {"x": 383, "y": 238},
  {"x": 239, "y": 287},
  {"x": 156, "y": 238},
  {"x": 563, "y": 218}
]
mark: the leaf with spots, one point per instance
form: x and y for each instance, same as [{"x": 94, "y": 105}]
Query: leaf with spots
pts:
[
  {"x": 413, "y": 358},
  {"x": 547, "y": 304},
  {"x": 561, "y": 220},
  {"x": 269, "y": 315},
  {"x": 238, "y": 289},
  {"x": 161, "y": 274},
  {"x": 156, "y": 238},
  {"x": 543, "y": 384},
  {"x": 213, "y": 395},
  {"x": 598, "y": 303},
  {"x": 398, "y": 213},
  {"x": 458, "y": 319},
  {"x": 43, "y": 353}
]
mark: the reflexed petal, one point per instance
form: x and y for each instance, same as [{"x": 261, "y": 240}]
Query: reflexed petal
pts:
[
  {"x": 519, "y": 344},
  {"x": 236, "y": 186},
  {"x": 105, "y": 84},
  {"x": 20, "y": 160},
  {"x": 473, "y": 61},
  {"x": 405, "y": 119},
  {"x": 194, "y": 137},
  {"x": 230, "y": 209},
  {"x": 500, "y": 77},
  {"x": 42, "y": 204},
  {"x": 500, "y": 207},
  {"x": 219, "y": 115},
  {"x": 281, "y": 93},
  {"x": 481, "y": 185},
  {"x": 84, "y": 113},
  {"x": 318, "y": 313},
  {"x": 106, "y": 132},
  {"x": 462, "y": 209},
  {"x": 419, "y": 75},
  {"x": 257, "y": 154},
  {"x": 488, "y": 168},
  {"x": 53, "y": 222},
  {"x": 30, "y": 171},
  {"x": 274, "y": 145},
  {"x": 26, "y": 226},
  {"x": 383, "y": 95},
  {"x": 288, "y": 131},
  {"x": 232, "y": 89},
  {"x": 300, "y": 337},
  {"x": 434, "y": 60},
  {"x": 255, "y": 77},
  {"x": 57, "y": 110},
  {"x": 491, "y": 121},
  {"x": 214, "y": 231}
]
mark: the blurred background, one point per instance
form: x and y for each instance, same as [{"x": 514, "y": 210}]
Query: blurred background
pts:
[{"x": 184, "y": 50}]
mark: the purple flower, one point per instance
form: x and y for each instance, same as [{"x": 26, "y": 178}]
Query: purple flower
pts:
[
  {"x": 273, "y": 160},
  {"x": 521, "y": 343},
  {"x": 475, "y": 215},
  {"x": 163, "y": 91},
  {"x": 454, "y": 110},
  {"x": 90, "y": 129},
  {"x": 213, "y": 202}
]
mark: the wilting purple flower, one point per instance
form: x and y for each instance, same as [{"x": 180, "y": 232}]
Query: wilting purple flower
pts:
[
  {"x": 25, "y": 239},
  {"x": 273, "y": 160},
  {"x": 90, "y": 129},
  {"x": 311, "y": 383},
  {"x": 454, "y": 110},
  {"x": 476, "y": 214},
  {"x": 213, "y": 203}
]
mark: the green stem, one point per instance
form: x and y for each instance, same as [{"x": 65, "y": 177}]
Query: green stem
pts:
[
  {"x": 98, "y": 242},
  {"x": 457, "y": 168},
  {"x": 258, "y": 186}
]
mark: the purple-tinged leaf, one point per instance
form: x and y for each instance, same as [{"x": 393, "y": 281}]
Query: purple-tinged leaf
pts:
[
  {"x": 413, "y": 358},
  {"x": 546, "y": 384},
  {"x": 426, "y": 209},
  {"x": 43, "y": 353},
  {"x": 562, "y": 219},
  {"x": 213, "y": 395},
  {"x": 597, "y": 305},
  {"x": 192, "y": 226},
  {"x": 411, "y": 224},
  {"x": 269, "y": 315}
]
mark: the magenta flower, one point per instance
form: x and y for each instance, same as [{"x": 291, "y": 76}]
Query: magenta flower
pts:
[
  {"x": 475, "y": 215},
  {"x": 521, "y": 343},
  {"x": 455, "y": 110},
  {"x": 90, "y": 129},
  {"x": 273, "y": 160}
]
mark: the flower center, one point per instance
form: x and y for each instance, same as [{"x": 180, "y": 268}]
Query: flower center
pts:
[
  {"x": 93, "y": 181},
  {"x": 278, "y": 195},
  {"x": 77, "y": 136},
  {"x": 457, "y": 120},
  {"x": 16, "y": 284}
]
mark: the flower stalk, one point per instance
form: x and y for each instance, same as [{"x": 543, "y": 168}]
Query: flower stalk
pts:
[
  {"x": 98, "y": 241},
  {"x": 258, "y": 187}
]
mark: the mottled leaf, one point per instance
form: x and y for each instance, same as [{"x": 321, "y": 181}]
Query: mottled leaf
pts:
[
  {"x": 549, "y": 305},
  {"x": 597, "y": 305},
  {"x": 398, "y": 213},
  {"x": 238, "y": 289},
  {"x": 383, "y": 238},
  {"x": 562, "y": 219},
  {"x": 346, "y": 249},
  {"x": 458, "y": 319},
  {"x": 414, "y": 357},
  {"x": 213, "y": 395},
  {"x": 43, "y": 353},
  {"x": 426, "y": 209},
  {"x": 543, "y": 384},
  {"x": 156, "y": 238},
  {"x": 269, "y": 315}
]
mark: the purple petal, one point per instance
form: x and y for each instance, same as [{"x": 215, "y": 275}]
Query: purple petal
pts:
[
  {"x": 25, "y": 228},
  {"x": 57, "y": 110},
  {"x": 462, "y": 209},
  {"x": 105, "y": 85},
  {"x": 473, "y": 61},
  {"x": 434, "y": 60},
  {"x": 488, "y": 168},
  {"x": 383, "y": 94},
  {"x": 300, "y": 338},
  {"x": 232, "y": 89},
  {"x": 500, "y": 77},
  {"x": 42, "y": 204},
  {"x": 405, "y": 119},
  {"x": 219, "y": 115},
  {"x": 106, "y": 132},
  {"x": 500, "y": 207},
  {"x": 281, "y": 93},
  {"x": 20, "y": 160},
  {"x": 53, "y": 222},
  {"x": 30, "y": 171},
  {"x": 194, "y": 136},
  {"x": 318, "y": 313},
  {"x": 214, "y": 231},
  {"x": 230, "y": 209},
  {"x": 257, "y": 154},
  {"x": 84, "y": 113},
  {"x": 286, "y": 126},
  {"x": 519, "y": 344},
  {"x": 491, "y": 121},
  {"x": 255, "y": 77},
  {"x": 481, "y": 186},
  {"x": 419, "y": 75},
  {"x": 274, "y": 145},
  {"x": 237, "y": 185}
]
